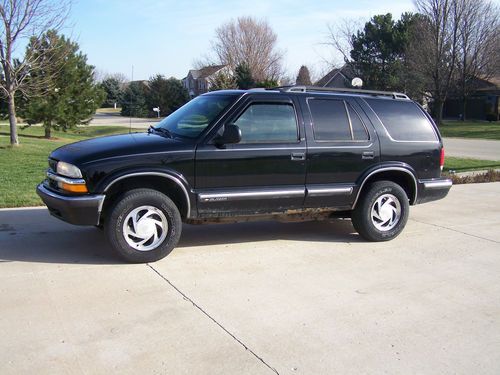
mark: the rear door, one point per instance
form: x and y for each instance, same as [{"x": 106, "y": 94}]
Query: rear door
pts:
[
  {"x": 265, "y": 172},
  {"x": 341, "y": 144}
]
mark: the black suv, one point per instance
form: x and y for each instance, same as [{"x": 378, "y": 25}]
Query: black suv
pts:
[{"x": 286, "y": 153}]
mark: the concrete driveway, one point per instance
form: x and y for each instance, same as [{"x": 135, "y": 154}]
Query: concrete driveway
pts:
[{"x": 258, "y": 298}]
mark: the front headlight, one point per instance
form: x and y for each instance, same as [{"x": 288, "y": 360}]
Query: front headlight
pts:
[{"x": 68, "y": 170}]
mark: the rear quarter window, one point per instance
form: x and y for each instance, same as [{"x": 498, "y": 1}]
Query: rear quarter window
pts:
[
  {"x": 403, "y": 120},
  {"x": 335, "y": 120}
]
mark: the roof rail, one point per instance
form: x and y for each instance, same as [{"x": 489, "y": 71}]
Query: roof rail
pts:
[{"x": 394, "y": 95}]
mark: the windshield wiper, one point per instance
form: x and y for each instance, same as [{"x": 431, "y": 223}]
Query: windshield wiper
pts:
[{"x": 167, "y": 132}]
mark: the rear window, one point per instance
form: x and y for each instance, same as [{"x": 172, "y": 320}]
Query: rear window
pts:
[{"x": 403, "y": 120}]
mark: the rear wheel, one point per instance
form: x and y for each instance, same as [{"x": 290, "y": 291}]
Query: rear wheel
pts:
[
  {"x": 382, "y": 212},
  {"x": 144, "y": 225}
]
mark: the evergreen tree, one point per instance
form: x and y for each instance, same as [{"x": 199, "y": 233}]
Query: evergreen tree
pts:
[
  {"x": 222, "y": 81},
  {"x": 268, "y": 83},
  {"x": 71, "y": 97},
  {"x": 134, "y": 100},
  {"x": 167, "y": 94},
  {"x": 379, "y": 52},
  {"x": 303, "y": 78},
  {"x": 244, "y": 77},
  {"x": 113, "y": 89}
]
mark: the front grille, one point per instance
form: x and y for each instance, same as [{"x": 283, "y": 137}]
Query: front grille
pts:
[{"x": 53, "y": 184}]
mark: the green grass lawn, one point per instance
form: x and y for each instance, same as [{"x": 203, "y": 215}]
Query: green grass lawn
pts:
[
  {"x": 471, "y": 129},
  {"x": 23, "y": 167},
  {"x": 109, "y": 110},
  {"x": 464, "y": 164}
]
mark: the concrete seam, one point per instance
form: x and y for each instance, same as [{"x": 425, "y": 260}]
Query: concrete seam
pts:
[
  {"x": 212, "y": 319},
  {"x": 455, "y": 230}
]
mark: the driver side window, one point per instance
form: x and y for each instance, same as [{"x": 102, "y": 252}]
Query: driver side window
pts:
[{"x": 268, "y": 123}]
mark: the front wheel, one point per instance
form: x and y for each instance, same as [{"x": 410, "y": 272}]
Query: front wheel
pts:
[
  {"x": 144, "y": 225},
  {"x": 382, "y": 213}
]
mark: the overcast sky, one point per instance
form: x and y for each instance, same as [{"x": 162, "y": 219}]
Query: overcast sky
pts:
[{"x": 167, "y": 36}]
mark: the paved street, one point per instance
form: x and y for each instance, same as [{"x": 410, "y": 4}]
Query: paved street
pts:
[
  {"x": 110, "y": 118},
  {"x": 472, "y": 148},
  {"x": 258, "y": 298}
]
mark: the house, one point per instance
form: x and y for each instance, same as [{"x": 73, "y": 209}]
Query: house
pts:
[
  {"x": 482, "y": 104},
  {"x": 338, "y": 77},
  {"x": 198, "y": 81}
]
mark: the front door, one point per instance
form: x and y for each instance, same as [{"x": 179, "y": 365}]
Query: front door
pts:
[{"x": 265, "y": 172}]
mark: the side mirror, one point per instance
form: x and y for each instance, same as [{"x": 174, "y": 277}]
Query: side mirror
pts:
[{"x": 232, "y": 134}]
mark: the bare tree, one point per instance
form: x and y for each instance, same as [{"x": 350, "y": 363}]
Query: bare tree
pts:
[
  {"x": 247, "y": 40},
  {"x": 20, "y": 21},
  {"x": 479, "y": 46},
  {"x": 433, "y": 51},
  {"x": 341, "y": 37}
]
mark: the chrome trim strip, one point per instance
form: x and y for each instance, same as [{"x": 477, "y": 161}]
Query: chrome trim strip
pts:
[
  {"x": 175, "y": 179},
  {"x": 66, "y": 180},
  {"x": 299, "y": 147},
  {"x": 330, "y": 147},
  {"x": 440, "y": 184},
  {"x": 349, "y": 119},
  {"x": 326, "y": 191},
  {"x": 384, "y": 170},
  {"x": 250, "y": 194}
]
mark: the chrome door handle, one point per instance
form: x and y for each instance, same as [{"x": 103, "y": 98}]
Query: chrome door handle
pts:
[
  {"x": 367, "y": 155},
  {"x": 298, "y": 156}
]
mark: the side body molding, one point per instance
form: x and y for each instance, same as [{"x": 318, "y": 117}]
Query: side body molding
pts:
[
  {"x": 387, "y": 169},
  {"x": 160, "y": 174}
]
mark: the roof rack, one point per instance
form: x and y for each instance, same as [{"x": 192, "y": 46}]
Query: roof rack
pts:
[{"x": 394, "y": 95}]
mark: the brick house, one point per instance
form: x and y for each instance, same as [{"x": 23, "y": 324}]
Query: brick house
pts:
[
  {"x": 197, "y": 82},
  {"x": 482, "y": 104}
]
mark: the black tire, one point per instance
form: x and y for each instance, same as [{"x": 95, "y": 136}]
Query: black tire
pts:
[
  {"x": 133, "y": 200},
  {"x": 362, "y": 214}
]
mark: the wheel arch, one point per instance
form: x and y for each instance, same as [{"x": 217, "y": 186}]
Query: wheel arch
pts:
[
  {"x": 401, "y": 175},
  {"x": 166, "y": 183}
]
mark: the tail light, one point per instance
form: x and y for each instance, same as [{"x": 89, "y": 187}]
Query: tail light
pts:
[{"x": 441, "y": 159}]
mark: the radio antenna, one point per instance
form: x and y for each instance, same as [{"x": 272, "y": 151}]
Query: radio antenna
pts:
[{"x": 131, "y": 104}]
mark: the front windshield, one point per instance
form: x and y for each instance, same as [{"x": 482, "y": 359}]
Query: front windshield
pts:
[{"x": 193, "y": 117}]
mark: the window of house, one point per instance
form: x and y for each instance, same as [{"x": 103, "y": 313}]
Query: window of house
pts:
[
  {"x": 268, "y": 123},
  {"x": 336, "y": 120}
]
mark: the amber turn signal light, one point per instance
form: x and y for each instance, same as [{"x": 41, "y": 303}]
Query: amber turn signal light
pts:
[{"x": 73, "y": 188}]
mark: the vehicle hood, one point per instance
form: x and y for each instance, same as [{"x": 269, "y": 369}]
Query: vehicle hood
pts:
[{"x": 80, "y": 153}]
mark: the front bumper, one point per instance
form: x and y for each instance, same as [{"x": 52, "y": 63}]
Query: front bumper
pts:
[
  {"x": 79, "y": 210},
  {"x": 434, "y": 189}
]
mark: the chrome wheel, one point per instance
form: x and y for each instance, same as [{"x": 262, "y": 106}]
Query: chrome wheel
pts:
[
  {"x": 386, "y": 212},
  {"x": 145, "y": 228}
]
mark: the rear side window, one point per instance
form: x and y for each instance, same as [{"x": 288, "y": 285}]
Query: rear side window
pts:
[
  {"x": 336, "y": 120},
  {"x": 403, "y": 120}
]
